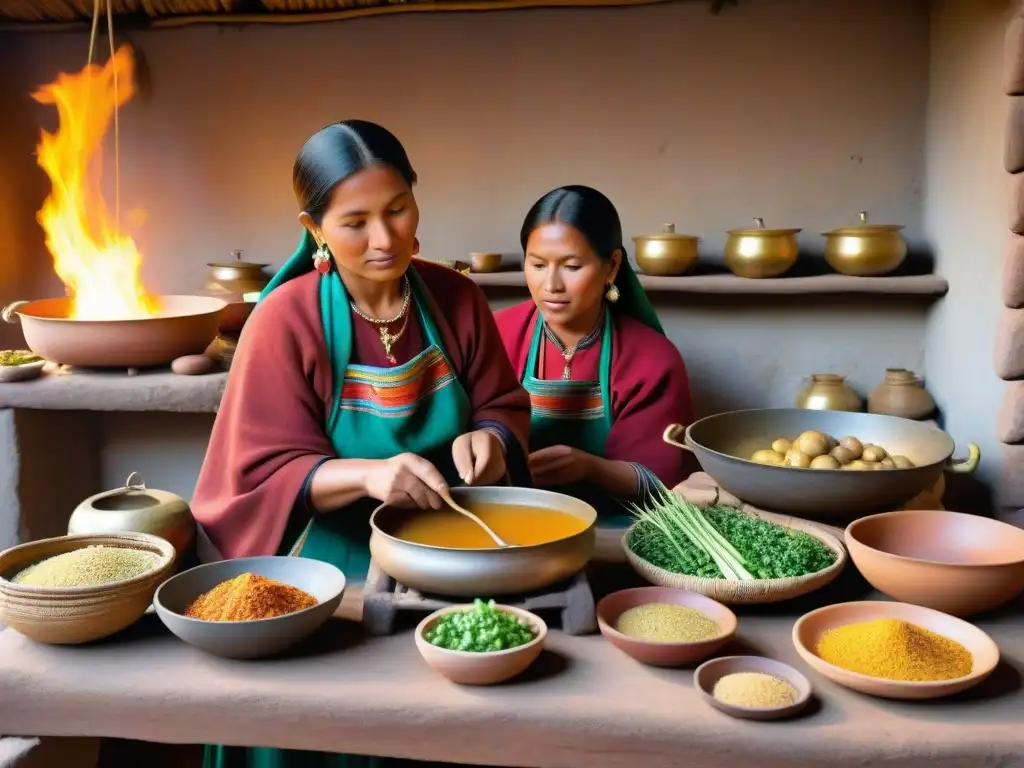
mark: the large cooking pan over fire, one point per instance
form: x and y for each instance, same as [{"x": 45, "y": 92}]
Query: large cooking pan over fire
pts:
[
  {"x": 724, "y": 443},
  {"x": 183, "y": 325},
  {"x": 484, "y": 572}
]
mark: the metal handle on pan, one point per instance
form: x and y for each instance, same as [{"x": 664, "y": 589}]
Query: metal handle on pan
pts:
[
  {"x": 968, "y": 465},
  {"x": 674, "y": 435},
  {"x": 8, "y": 312}
]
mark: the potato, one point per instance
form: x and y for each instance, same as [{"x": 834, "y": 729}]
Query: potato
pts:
[
  {"x": 888, "y": 463},
  {"x": 797, "y": 458},
  {"x": 873, "y": 452},
  {"x": 902, "y": 462},
  {"x": 782, "y": 445},
  {"x": 824, "y": 462},
  {"x": 767, "y": 456},
  {"x": 856, "y": 465},
  {"x": 842, "y": 455},
  {"x": 814, "y": 444},
  {"x": 853, "y": 445}
]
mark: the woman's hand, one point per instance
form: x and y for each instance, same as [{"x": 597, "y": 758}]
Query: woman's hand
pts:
[
  {"x": 478, "y": 457},
  {"x": 559, "y": 465},
  {"x": 407, "y": 480}
]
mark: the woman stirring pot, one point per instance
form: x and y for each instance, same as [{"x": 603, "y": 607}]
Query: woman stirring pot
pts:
[
  {"x": 352, "y": 384},
  {"x": 603, "y": 379}
]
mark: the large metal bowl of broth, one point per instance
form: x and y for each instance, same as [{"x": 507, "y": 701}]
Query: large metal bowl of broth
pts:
[{"x": 552, "y": 537}]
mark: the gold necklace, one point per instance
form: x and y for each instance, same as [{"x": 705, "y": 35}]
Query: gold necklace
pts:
[
  {"x": 569, "y": 354},
  {"x": 387, "y": 338}
]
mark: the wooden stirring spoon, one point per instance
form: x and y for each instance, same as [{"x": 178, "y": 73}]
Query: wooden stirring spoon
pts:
[{"x": 502, "y": 544}]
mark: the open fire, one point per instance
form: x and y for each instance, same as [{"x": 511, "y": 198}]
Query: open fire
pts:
[{"x": 97, "y": 262}]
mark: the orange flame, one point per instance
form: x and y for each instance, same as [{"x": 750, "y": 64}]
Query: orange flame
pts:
[{"x": 97, "y": 263}]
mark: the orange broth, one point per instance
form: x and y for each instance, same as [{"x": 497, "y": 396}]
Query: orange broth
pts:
[{"x": 516, "y": 524}]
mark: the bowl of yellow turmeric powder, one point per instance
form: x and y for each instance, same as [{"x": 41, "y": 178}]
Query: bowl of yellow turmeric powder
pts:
[
  {"x": 895, "y": 650},
  {"x": 250, "y": 607}
]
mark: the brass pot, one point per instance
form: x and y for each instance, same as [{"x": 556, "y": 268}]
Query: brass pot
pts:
[
  {"x": 666, "y": 254},
  {"x": 485, "y": 262},
  {"x": 137, "y": 509},
  {"x": 902, "y": 394},
  {"x": 759, "y": 252},
  {"x": 234, "y": 279},
  {"x": 865, "y": 250},
  {"x": 829, "y": 392}
]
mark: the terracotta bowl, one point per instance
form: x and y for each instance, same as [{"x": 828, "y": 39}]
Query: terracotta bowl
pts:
[
  {"x": 73, "y": 615},
  {"x": 952, "y": 562},
  {"x": 657, "y": 653},
  {"x": 710, "y": 672},
  {"x": 257, "y": 638},
  {"x": 470, "y": 668},
  {"x": 809, "y": 628}
]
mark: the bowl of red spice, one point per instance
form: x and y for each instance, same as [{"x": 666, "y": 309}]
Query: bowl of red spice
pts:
[{"x": 250, "y": 607}]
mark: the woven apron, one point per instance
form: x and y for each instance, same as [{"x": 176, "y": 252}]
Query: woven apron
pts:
[
  {"x": 577, "y": 414},
  {"x": 377, "y": 413}
]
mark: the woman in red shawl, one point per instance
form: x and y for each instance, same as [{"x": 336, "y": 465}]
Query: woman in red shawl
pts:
[
  {"x": 352, "y": 384},
  {"x": 603, "y": 379}
]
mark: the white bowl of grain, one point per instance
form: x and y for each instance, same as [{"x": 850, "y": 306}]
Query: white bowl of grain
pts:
[{"x": 84, "y": 587}]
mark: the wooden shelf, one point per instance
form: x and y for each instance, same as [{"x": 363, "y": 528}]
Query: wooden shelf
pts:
[{"x": 730, "y": 285}]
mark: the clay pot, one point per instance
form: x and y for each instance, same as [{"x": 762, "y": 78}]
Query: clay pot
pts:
[
  {"x": 829, "y": 392},
  {"x": 902, "y": 394},
  {"x": 137, "y": 509}
]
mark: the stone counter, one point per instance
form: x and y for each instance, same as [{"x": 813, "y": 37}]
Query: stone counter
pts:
[{"x": 583, "y": 704}]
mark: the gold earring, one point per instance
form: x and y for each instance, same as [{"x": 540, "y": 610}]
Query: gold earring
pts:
[
  {"x": 612, "y": 294},
  {"x": 322, "y": 259}
]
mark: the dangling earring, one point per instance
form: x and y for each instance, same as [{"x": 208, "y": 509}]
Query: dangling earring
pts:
[
  {"x": 415, "y": 246},
  {"x": 322, "y": 259},
  {"x": 612, "y": 294}
]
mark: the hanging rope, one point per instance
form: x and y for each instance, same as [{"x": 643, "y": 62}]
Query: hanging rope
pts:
[{"x": 117, "y": 100}]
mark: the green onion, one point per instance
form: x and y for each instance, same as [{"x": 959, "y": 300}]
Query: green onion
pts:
[{"x": 673, "y": 516}]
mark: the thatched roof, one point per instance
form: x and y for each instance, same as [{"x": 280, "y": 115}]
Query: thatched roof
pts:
[{"x": 59, "y": 14}]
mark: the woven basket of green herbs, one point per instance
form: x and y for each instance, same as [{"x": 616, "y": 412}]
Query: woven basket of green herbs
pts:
[{"x": 729, "y": 554}]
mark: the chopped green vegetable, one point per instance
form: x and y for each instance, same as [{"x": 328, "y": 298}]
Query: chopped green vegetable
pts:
[
  {"x": 18, "y": 357},
  {"x": 716, "y": 541},
  {"x": 480, "y": 629}
]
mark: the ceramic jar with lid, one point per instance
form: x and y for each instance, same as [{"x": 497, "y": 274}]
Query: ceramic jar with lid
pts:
[
  {"x": 139, "y": 509},
  {"x": 759, "y": 252},
  {"x": 666, "y": 254},
  {"x": 865, "y": 250},
  {"x": 829, "y": 392},
  {"x": 902, "y": 394}
]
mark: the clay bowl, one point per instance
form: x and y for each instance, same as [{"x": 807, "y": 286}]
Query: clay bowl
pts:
[
  {"x": 952, "y": 562},
  {"x": 74, "y": 615},
  {"x": 490, "y": 668},
  {"x": 23, "y": 372},
  {"x": 809, "y": 628},
  {"x": 657, "y": 653},
  {"x": 257, "y": 638},
  {"x": 710, "y": 672}
]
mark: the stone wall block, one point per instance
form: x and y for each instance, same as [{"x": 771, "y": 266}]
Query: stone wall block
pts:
[
  {"x": 1016, "y": 207},
  {"x": 1009, "y": 350},
  {"x": 1010, "y": 419},
  {"x": 1013, "y": 156},
  {"x": 1013, "y": 56},
  {"x": 1013, "y": 273}
]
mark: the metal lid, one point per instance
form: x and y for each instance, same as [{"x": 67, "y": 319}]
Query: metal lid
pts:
[
  {"x": 759, "y": 230},
  {"x": 859, "y": 230},
  {"x": 668, "y": 232},
  {"x": 237, "y": 263}
]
